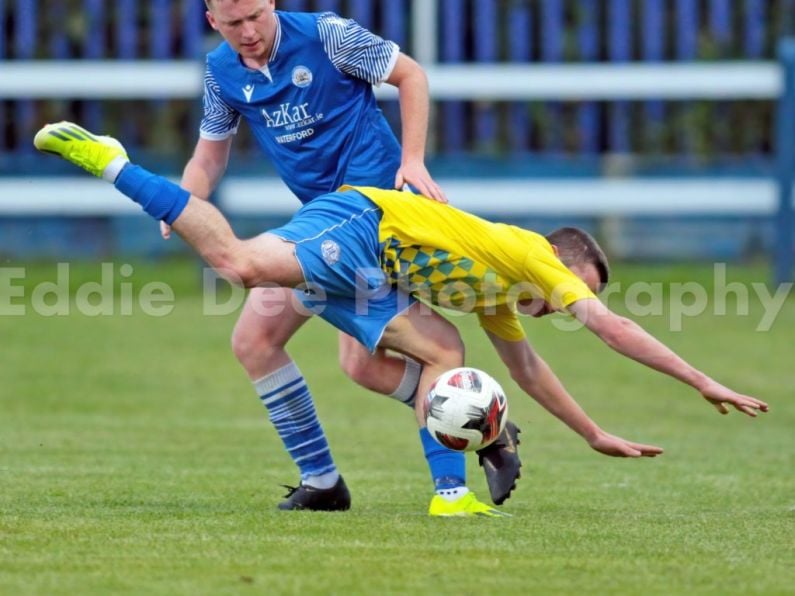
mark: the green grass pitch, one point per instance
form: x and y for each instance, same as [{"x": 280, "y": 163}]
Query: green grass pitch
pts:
[{"x": 135, "y": 458}]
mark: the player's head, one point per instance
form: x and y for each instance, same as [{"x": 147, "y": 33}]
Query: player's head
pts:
[
  {"x": 583, "y": 256},
  {"x": 247, "y": 25},
  {"x": 580, "y": 252}
]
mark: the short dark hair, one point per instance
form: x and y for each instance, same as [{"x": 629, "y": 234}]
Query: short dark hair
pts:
[{"x": 578, "y": 247}]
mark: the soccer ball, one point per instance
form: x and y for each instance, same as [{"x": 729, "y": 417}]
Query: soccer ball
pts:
[{"x": 466, "y": 409}]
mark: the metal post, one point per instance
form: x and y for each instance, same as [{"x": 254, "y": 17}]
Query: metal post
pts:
[
  {"x": 785, "y": 166},
  {"x": 424, "y": 22}
]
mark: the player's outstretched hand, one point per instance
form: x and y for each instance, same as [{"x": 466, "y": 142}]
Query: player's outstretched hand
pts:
[
  {"x": 165, "y": 230},
  {"x": 721, "y": 397},
  {"x": 418, "y": 176},
  {"x": 618, "y": 447}
]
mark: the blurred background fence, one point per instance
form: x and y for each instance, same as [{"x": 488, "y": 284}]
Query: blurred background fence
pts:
[{"x": 651, "y": 122}]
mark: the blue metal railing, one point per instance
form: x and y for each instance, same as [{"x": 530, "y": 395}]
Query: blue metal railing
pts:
[
  {"x": 94, "y": 44},
  {"x": 485, "y": 51},
  {"x": 687, "y": 19},
  {"x": 127, "y": 29},
  {"x": 452, "y": 51},
  {"x": 785, "y": 168},
  {"x": 25, "y": 12},
  {"x": 619, "y": 20},
  {"x": 482, "y": 31},
  {"x": 192, "y": 30},
  {"x": 653, "y": 51},
  {"x": 160, "y": 39},
  {"x": 720, "y": 22},
  {"x": 520, "y": 40},
  {"x": 588, "y": 41},
  {"x": 2, "y": 57},
  {"x": 551, "y": 39}
]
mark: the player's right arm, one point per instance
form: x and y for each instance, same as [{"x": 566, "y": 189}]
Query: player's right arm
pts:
[
  {"x": 219, "y": 124},
  {"x": 536, "y": 378},
  {"x": 206, "y": 167},
  {"x": 629, "y": 339}
]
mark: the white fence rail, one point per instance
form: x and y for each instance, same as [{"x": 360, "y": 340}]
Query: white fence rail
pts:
[
  {"x": 500, "y": 197},
  {"x": 86, "y": 79}
]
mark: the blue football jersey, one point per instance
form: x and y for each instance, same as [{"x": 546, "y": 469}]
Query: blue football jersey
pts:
[{"x": 311, "y": 108}]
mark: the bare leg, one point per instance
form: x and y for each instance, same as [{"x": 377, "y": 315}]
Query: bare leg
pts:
[
  {"x": 379, "y": 372},
  {"x": 268, "y": 320},
  {"x": 427, "y": 337},
  {"x": 270, "y": 317},
  {"x": 430, "y": 339},
  {"x": 261, "y": 260}
]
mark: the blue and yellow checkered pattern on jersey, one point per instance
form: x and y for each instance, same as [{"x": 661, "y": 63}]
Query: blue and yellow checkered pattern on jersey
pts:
[
  {"x": 454, "y": 259},
  {"x": 439, "y": 276}
]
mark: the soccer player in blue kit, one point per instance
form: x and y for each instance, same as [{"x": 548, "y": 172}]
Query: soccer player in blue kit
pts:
[{"x": 303, "y": 84}]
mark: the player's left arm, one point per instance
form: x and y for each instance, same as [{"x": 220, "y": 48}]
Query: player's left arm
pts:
[
  {"x": 412, "y": 83},
  {"x": 360, "y": 53},
  {"x": 630, "y": 339},
  {"x": 536, "y": 378}
]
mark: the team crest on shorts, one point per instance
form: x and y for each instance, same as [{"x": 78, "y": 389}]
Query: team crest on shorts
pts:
[
  {"x": 330, "y": 251},
  {"x": 302, "y": 76}
]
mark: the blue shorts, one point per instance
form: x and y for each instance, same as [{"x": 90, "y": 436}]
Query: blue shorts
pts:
[{"x": 336, "y": 244}]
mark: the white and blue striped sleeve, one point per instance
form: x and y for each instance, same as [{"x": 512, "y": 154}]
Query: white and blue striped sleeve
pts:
[
  {"x": 356, "y": 51},
  {"x": 220, "y": 120}
]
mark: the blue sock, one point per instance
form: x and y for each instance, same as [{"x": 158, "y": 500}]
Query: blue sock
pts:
[
  {"x": 448, "y": 467},
  {"x": 159, "y": 197},
  {"x": 291, "y": 410}
]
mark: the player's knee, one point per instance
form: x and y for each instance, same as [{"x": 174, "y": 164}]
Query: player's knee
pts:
[
  {"x": 233, "y": 267},
  {"x": 448, "y": 351},
  {"x": 452, "y": 357},
  {"x": 245, "y": 274},
  {"x": 357, "y": 366},
  {"x": 254, "y": 344}
]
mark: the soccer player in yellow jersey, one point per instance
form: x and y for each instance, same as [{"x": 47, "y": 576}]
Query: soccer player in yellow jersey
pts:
[
  {"x": 364, "y": 258},
  {"x": 459, "y": 261}
]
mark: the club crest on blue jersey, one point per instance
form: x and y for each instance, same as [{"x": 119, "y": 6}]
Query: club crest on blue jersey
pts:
[
  {"x": 330, "y": 251},
  {"x": 302, "y": 76}
]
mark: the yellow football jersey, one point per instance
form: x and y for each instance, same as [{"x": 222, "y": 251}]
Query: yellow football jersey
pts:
[{"x": 456, "y": 260}]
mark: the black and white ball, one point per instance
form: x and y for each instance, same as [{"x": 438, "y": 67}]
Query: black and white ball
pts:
[{"x": 466, "y": 410}]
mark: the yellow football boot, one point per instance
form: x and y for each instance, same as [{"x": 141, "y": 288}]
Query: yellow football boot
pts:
[
  {"x": 466, "y": 506},
  {"x": 91, "y": 152}
]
